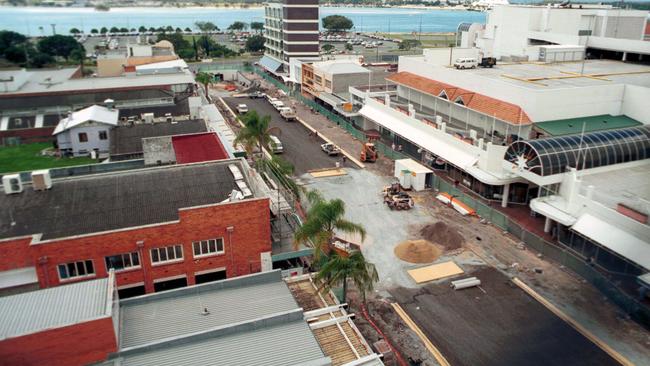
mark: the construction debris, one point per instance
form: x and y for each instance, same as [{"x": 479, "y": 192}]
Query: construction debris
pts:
[
  {"x": 417, "y": 251},
  {"x": 442, "y": 234}
]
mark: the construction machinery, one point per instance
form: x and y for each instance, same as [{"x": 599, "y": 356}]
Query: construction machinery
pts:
[
  {"x": 396, "y": 199},
  {"x": 369, "y": 153}
]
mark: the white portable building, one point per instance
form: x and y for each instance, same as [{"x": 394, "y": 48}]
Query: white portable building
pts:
[{"x": 412, "y": 174}]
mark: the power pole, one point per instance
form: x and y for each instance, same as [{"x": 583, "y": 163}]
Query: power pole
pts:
[{"x": 53, "y": 29}]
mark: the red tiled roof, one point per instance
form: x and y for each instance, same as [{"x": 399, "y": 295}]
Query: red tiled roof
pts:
[
  {"x": 198, "y": 147},
  {"x": 478, "y": 102}
]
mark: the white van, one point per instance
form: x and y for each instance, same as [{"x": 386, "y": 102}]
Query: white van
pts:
[
  {"x": 276, "y": 145},
  {"x": 466, "y": 63}
]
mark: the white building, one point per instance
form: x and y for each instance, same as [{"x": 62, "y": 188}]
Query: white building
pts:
[
  {"x": 522, "y": 31},
  {"x": 86, "y": 130}
]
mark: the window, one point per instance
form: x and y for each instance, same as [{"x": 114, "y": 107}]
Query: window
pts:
[
  {"x": 167, "y": 254},
  {"x": 103, "y": 135},
  {"x": 328, "y": 83},
  {"x": 123, "y": 261},
  {"x": 76, "y": 269},
  {"x": 319, "y": 80},
  {"x": 83, "y": 137},
  {"x": 208, "y": 247}
]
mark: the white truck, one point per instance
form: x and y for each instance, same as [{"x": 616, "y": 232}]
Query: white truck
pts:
[
  {"x": 466, "y": 63},
  {"x": 287, "y": 113}
]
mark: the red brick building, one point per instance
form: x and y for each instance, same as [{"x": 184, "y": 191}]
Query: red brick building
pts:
[{"x": 158, "y": 228}]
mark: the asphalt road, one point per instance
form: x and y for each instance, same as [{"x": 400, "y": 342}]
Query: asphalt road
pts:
[
  {"x": 300, "y": 149},
  {"x": 503, "y": 326}
]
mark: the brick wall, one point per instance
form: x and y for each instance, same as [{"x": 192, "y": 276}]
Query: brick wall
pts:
[
  {"x": 78, "y": 344},
  {"x": 251, "y": 235}
]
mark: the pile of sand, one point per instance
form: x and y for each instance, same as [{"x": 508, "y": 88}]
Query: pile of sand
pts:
[
  {"x": 442, "y": 234},
  {"x": 417, "y": 251}
]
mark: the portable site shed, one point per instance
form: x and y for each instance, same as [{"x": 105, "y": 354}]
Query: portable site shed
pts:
[{"x": 412, "y": 174}]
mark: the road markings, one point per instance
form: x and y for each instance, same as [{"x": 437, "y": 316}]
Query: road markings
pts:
[
  {"x": 582, "y": 330},
  {"x": 427, "y": 343}
]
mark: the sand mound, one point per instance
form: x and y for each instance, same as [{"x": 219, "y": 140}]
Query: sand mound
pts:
[
  {"x": 417, "y": 251},
  {"x": 442, "y": 234}
]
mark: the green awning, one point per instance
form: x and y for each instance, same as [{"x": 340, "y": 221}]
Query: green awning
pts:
[{"x": 573, "y": 126}]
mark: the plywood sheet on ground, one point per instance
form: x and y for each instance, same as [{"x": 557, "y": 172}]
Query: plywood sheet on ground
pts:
[
  {"x": 435, "y": 272},
  {"x": 327, "y": 173}
]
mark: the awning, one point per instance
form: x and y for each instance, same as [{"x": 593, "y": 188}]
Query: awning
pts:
[
  {"x": 615, "y": 239},
  {"x": 330, "y": 99},
  {"x": 423, "y": 135},
  {"x": 554, "y": 208},
  {"x": 18, "y": 277},
  {"x": 270, "y": 64}
]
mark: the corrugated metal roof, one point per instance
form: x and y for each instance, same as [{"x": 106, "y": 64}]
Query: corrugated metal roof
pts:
[
  {"x": 53, "y": 307},
  {"x": 158, "y": 316},
  {"x": 286, "y": 344}
]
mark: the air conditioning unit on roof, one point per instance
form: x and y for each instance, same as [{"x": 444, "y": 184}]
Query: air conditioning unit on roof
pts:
[
  {"x": 41, "y": 179},
  {"x": 12, "y": 183}
]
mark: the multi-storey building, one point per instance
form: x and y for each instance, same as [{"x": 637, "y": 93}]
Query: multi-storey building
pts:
[{"x": 291, "y": 30}]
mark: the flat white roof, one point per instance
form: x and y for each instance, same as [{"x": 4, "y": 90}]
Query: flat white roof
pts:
[
  {"x": 615, "y": 239},
  {"x": 413, "y": 166},
  {"x": 421, "y": 134}
]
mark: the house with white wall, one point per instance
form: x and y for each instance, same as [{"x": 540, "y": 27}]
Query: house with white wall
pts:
[{"x": 86, "y": 130}]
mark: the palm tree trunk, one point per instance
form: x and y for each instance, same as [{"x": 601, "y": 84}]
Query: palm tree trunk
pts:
[{"x": 345, "y": 289}]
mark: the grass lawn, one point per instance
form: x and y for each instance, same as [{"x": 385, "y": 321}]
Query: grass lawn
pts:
[{"x": 28, "y": 157}]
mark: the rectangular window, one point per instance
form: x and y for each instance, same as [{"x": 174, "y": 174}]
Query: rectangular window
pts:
[
  {"x": 76, "y": 269},
  {"x": 167, "y": 254},
  {"x": 208, "y": 247},
  {"x": 83, "y": 137},
  {"x": 122, "y": 261},
  {"x": 103, "y": 135}
]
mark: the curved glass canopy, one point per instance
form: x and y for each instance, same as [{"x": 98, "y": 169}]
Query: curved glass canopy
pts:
[{"x": 554, "y": 155}]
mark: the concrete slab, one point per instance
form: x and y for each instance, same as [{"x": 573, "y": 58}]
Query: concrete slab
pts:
[{"x": 435, "y": 272}]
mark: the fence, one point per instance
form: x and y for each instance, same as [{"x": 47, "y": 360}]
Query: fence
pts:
[{"x": 554, "y": 252}]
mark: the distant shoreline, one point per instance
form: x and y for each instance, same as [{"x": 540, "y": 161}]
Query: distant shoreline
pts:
[{"x": 252, "y": 6}]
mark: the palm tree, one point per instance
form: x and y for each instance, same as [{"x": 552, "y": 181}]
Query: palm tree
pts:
[
  {"x": 341, "y": 267},
  {"x": 205, "y": 79},
  {"x": 256, "y": 132},
  {"x": 324, "y": 218}
]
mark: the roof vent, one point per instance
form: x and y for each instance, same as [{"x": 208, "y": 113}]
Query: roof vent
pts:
[
  {"x": 205, "y": 311},
  {"x": 109, "y": 103}
]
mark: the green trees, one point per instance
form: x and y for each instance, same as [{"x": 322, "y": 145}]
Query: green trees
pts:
[
  {"x": 205, "y": 79},
  {"x": 79, "y": 55},
  {"x": 58, "y": 45},
  {"x": 340, "y": 267},
  {"x": 16, "y": 48},
  {"x": 256, "y": 132},
  {"x": 257, "y": 26},
  {"x": 104, "y": 30},
  {"x": 349, "y": 47},
  {"x": 115, "y": 30},
  {"x": 188, "y": 30},
  {"x": 255, "y": 43},
  {"x": 327, "y": 47},
  {"x": 94, "y": 31},
  {"x": 324, "y": 219},
  {"x": 142, "y": 29},
  {"x": 75, "y": 31},
  {"x": 237, "y": 26},
  {"x": 337, "y": 23},
  {"x": 124, "y": 30},
  {"x": 206, "y": 27}
]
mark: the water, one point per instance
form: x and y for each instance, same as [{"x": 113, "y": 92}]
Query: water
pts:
[{"x": 36, "y": 21}]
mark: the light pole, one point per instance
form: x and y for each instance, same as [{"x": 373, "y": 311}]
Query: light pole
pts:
[{"x": 53, "y": 29}]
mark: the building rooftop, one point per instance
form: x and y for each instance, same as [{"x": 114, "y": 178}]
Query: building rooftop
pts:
[
  {"x": 39, "y": 83},
  {"x": 14, "y": 80},
  {"x": 335, "y": 67},
  {"x": 250, "y": 320},
  {"x": 102, "y": 202},
  {"x": 487, "y": 105},
  {"x": 94, "y": 113},
  {"x": 128, "y": 139},
  {"x": 55, "y": 307},
  {"x": 195, "y": 148},
  {"x": 574, "y": 126},
  {"x": 563, "y": 75}
]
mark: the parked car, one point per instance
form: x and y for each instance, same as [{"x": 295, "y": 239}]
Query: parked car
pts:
[
  {"x": 276, "y": 145},
  {"x": 242, "y": 108},
  {"x": 256, "y": 95},
  {"x": 330, "y": 149},
  {"x": 287, "y": 113},
  {"x": 466, "y": 63},
  {"x": 277, "y": 105}
]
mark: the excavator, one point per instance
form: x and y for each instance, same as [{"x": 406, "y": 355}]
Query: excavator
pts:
[{"x": 369, "y": 153}]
